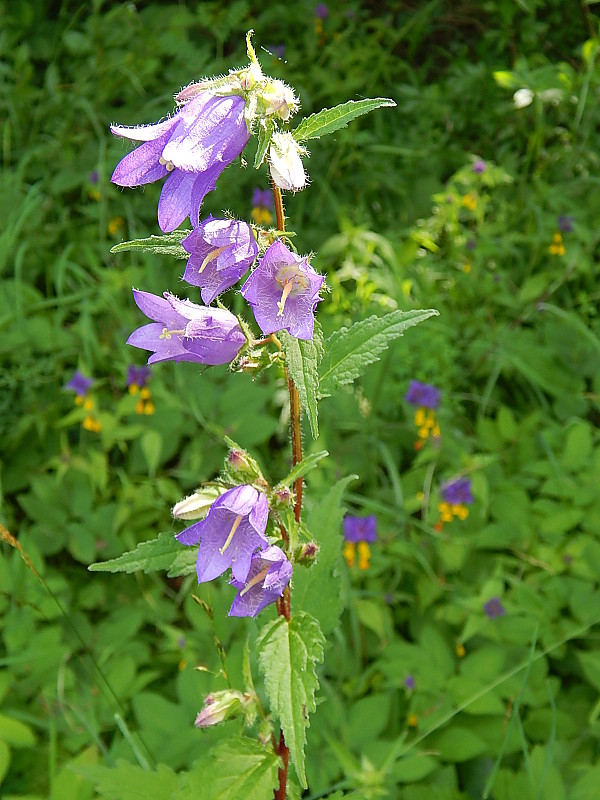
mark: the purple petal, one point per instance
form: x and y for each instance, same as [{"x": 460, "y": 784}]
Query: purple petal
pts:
[
  {"x": 145, "y": 133},
  {"x": 175, "y": 200},
  {"x": 141, "y": 165}
]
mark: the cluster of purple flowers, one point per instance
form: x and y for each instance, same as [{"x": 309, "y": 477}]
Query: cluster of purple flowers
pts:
[
  {"x": 456, "y": 496},
  {"x": 191, "y": 149},
  {"x": 81, "y": 386},
  {"x": 426, "y": 399},
  {"x": 358, "y": 532},
  {"x": 233, "y": 535}
]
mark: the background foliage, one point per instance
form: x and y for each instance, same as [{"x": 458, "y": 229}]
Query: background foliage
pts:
[{"x": 99, "y": 683}]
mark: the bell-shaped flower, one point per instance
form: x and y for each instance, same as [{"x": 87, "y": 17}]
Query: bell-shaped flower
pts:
[
  {"x": 285, "y": 163},
  {"x": 184, "y": 331},
  {"x": 221, "y": 250},
  {"x": 192, "y": 148},
  {"x": 269, "y": 574},
  {"x": 283, "y": 291},
  {"x": 232, "y": 531}
]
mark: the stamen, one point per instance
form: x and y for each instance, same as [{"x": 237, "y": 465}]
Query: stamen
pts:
[
  {"x": 234, "y": 528},
  {"x": 256, "y": 579},
  {"x": 287, "y": 288},
  {"x": 168, "y": 164},
  {"x": 212, "y": 256}
]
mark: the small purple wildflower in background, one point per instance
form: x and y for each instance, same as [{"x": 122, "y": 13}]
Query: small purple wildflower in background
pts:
[
  {"x": 79, "y": 384},
  {"x": 457, "y": 491},
  {"x": 409, "y": 682},
  {"x": 93, "y": 177},
  {"x": 321, "y": 11},
  {"x": 192, "y": 148},
  {"x": 471, "y": 244},
  {"x": 360, "y": 529},
  {"x": 229, "y": 535},
  {"x": 184, "y": 331},
  {"x": 283, "y": 291},
  {"x": 565, "y": 223},
  {"x": 276, "y": 50},
  {"x": 138, "y": 377},
  {"x": 494, "y": 608},
  {"x": 262, "y": 197},
  {"x": 221, "y": 250},
  {"x": 269, "y": 574},
  {"x": 479, "y": 166},
  {"x": 423, "y": 395}
]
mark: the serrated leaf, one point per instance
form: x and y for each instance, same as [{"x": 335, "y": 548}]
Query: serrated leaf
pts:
[
  {"x": 332, "y": 119},
  {"x": 317, "y": 589},
  {"x": 302, "y": 358},
  {"x": 169, "y": 244},
  {"x": 265, "y": 132},
  {"x": 349, "y": 351},
  {"x": 304, "y": 466},
  {"x": 150, "y": 556},
  {"x": 130, "y": 781},
  {"x": 288, "y": 653}
]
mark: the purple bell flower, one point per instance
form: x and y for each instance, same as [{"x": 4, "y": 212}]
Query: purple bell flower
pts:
[
  {"x": 360, "y": 529},
  {"x": 457, "y": 491},
  {"x": 565, "y": 223},
  {"x": 269, "y": 574},
  {"x": 221, "y": 250},
  {"x": 423, "y": 395},
  {"x": 192, "y": 148},
  {"x": 283, "y": 291},
  {"x": 79, "y": 384},
  {"x": 184, "y": 331},
  {"x": 229, "y": 535}
]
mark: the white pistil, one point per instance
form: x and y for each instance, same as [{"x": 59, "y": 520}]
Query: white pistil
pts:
[
  {"x": 256, "y": 579},
  {"x": 234, "y": 528},
  {"x": 287, "y": 288},
  {"x": 212, "y": 256},
  {"x": 166, "y": 334}
]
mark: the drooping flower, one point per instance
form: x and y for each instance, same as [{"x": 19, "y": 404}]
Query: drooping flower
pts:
[
  {"x": 456, "y": 495},
  {"x": 79, "y": 384},
  {"x": 283, "y": 291},
  {"x": 221, "y": 250},
  {"x": 479, "y": 166},
  {"x": 494, "y": 608},
  {"x": 285, "y": 163},
  {"x": 358, "y": 532},
  {"x": 192, "y": 148},
  {"x": 232, "y": 531},
  {"x": 269, "y": 574},
  {"x": 184, "y": 331}
]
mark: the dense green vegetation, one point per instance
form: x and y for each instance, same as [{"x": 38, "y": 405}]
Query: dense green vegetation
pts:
[{"x": 477, "y": 196}]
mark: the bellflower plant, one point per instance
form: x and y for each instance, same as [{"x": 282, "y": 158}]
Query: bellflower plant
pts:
[
  {"x": 221, "y": 251},
  {"x": 247, "y": 523},
  {"x": 184, "y": 331},
  {"x": 283, "y": 291}
]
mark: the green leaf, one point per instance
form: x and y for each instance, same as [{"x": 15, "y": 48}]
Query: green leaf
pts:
[
  {"x": 304, "y": 466},
  {"x": 302, "y": 357},
  {"x": 241, "y": 767},
  {"x": 265, "y": 131},
  {"x": 169, "y": 244},
  {"x": 332, "y": 119},
  {"x": 317, "y": 589},
  {"x": 127, "y": 781},
  {"x": 349, "y": 351},
  {"x": 150, "y": 556},
  {"x": 287, "y": 655},
  {"x": 15, "y": 733}
]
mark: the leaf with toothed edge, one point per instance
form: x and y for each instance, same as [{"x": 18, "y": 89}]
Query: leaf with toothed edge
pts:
[{"x": 332, "y": 119}]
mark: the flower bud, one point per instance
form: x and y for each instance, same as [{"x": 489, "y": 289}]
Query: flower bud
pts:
[
  {"x": 279, "y": 99},
  {"x": 195, "y": 506},
  {"x": 220, "y": 706},
  {"x": 285, "y": 163},
  {"x": 308, "y": 552}
]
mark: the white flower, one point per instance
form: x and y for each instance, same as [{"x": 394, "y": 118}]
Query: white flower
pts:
[
  {"x": 522, "y": 98},
  {"x": 285, "y": 163}
]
